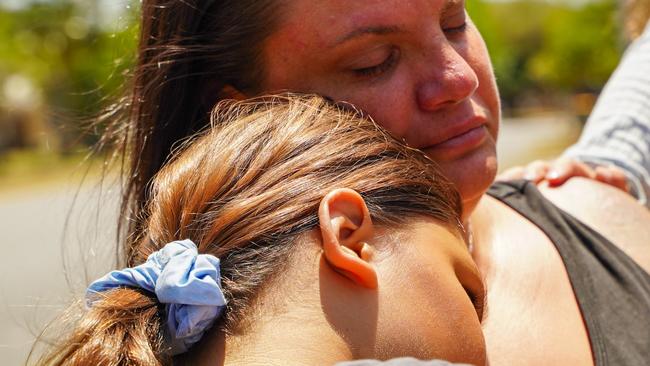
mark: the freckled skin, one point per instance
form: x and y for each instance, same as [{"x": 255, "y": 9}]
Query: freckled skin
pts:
[{"x": 439, "y": 80}]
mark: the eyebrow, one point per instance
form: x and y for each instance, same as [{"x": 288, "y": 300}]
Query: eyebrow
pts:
[
  {"x": 383, "y": 30},
  {"x": 378, "y": 30}
]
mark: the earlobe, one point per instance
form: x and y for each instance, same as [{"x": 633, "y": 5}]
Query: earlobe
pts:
[{"x": 345, "y": 226}]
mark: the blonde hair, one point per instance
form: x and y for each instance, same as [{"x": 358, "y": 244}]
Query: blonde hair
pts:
[{"x": 244, "y": 191}]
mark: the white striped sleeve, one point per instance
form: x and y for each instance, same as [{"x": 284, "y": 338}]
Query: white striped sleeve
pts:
[{"x": 618, "y": 130}]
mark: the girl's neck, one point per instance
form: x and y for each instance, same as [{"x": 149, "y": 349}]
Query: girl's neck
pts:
[
  {"x": 301, "y": 339},
  {"x": 294, "y": 330},
  {"x": 290, "y": 344}
]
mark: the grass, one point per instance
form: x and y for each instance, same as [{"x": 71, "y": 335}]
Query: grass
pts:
[{"x": 28, "y": 169}]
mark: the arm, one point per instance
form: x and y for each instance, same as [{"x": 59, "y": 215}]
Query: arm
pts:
[{"x": 618, "y": 131}]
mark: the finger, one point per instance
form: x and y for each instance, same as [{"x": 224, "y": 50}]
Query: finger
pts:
[
  {"x": 512, "y": 174},
  {"x": 619, "y": 179},
  {"x": 537, "y": 170},
  {"x": 612, "y": 176},
  {"x": 566, "y": 168}
]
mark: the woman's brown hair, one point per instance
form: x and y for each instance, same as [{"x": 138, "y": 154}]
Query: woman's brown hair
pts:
[
  {"x": 245, "y": 191},
  {"x": 188, "y": 52}
]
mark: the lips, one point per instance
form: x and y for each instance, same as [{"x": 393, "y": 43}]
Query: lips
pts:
[{"x": 458, "y": 139}]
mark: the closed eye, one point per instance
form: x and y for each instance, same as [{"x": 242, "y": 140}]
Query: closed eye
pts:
[
  {"x": 479, "y": 300},
  {"x": 456, "y": 30},
  {"x": 380, "y": 68}
]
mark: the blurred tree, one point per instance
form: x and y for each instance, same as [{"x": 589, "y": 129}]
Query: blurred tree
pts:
[
  {"x": 74, "y": 63},
  {"x": 60, "y": 53},
  {"x": 581, "y": 47},
  {"x": 542, "y": 48}
]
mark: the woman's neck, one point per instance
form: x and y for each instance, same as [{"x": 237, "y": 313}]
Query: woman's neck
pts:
[{"x": 470, "y": 205}]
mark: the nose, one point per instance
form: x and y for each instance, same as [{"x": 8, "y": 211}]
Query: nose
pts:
[{"x": 448, "y": 80}]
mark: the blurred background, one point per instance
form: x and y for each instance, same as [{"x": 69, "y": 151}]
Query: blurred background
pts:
[{"x": 63, "y": 61}]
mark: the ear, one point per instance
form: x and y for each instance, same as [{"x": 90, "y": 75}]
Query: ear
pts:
[
  {"x": 230, "y": 92},
  {"x": 345, "y": 227}
]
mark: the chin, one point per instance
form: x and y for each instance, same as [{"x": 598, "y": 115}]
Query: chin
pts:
[{"x": 472, "y": 174}]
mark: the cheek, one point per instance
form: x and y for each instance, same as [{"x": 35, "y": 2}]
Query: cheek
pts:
[
  {"x": 478, "y": 57},
  {"x": 433, "y": 318},
  {"x": 391, "y": 104}
]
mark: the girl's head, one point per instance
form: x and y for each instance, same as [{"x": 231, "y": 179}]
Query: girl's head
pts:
[
  {"x": 419, "y": 67},
  {"x": 324, "y": 223}
]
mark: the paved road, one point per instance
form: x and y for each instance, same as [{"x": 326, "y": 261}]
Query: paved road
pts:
[
  {"x": 522, "y": 140},
  {"x": 36, "y": 257},
  {"x": 33, "y": 285}
]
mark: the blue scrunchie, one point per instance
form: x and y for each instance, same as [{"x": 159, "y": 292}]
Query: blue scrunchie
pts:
[{"x": 188, "y": 283}]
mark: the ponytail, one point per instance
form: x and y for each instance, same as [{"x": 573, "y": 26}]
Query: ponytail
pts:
[{"x": 124, "y": 327}]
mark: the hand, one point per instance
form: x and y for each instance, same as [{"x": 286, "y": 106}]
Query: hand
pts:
[{"x": 559, "y": 171}]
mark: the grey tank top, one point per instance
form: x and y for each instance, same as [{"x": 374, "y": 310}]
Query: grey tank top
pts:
[{"x": 612, "y": 290}]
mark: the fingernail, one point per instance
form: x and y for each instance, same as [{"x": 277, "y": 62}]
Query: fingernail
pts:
[{"x": 552, "y": 175}]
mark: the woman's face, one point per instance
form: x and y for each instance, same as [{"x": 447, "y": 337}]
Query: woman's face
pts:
[{"x": 418, "y": 67}]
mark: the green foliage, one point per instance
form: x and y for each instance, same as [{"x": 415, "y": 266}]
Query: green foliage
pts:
[
  {"x": 537, "y": 47},
  {"x": 580, "y": 48},
  {"x": 73, "y": 62},
  {"x": 541, "y": 47}
]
